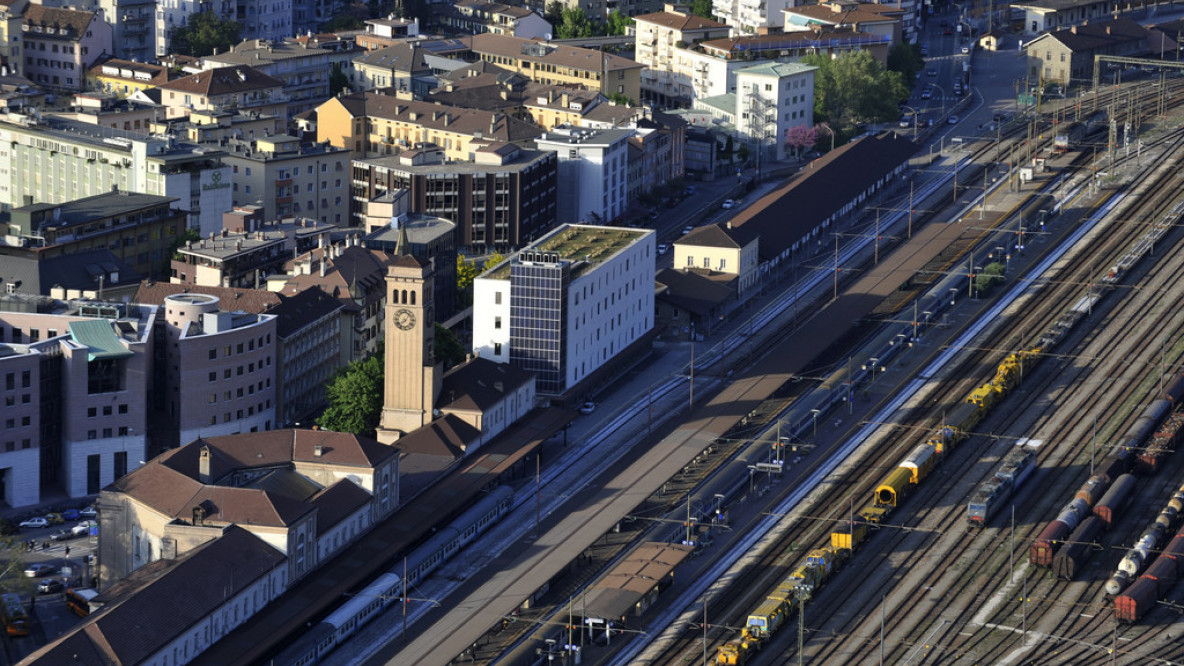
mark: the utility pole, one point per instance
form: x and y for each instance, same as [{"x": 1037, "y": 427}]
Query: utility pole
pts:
[
  {"x": 836, "y": 294},
  {"x": 911, "y": 184}
]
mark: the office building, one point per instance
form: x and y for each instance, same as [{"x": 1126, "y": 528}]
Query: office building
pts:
[{"x": 593, "y": 176}]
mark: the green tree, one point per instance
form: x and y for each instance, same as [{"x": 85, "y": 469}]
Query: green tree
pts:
[
  {"x": 338, "y": 80},
  {"x": 854, "y": 88},
  {"x": 618, "y": 23},
  {"x": 466, "y": 272},
  {"x": 574, "y": 24},
  {"x": 906, "y": 59},
  {"x": 554, "y": 14},
  {"x": 702, "y": 8},
  {"x": 343, "y": 22},
  {"x": 206, "y": 31},
  {"x": 493, "y": 259},
  {"x": 448, "y": 347},
  {"x": 355, "y": 397}
]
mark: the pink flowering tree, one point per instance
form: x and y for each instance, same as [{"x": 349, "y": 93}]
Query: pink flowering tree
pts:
[{"x": 800, "y": 137}]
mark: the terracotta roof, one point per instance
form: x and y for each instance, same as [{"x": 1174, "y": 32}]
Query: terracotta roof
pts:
[
  {"x": 559, "y": 55},
  {"x": 718, "y": 235},
  {"x": 166, "y": 599},
  {"x": 159, "y": 73},
  {"x": 455, "y": 119},
  {"x": 1094, "y": 36},
  {"x": 850, "y": 14},
  {"x": 447, "y": 436},
  {"x": 678, "y": 21},
  {"x": 494, "y": 8},
  {"x": 39, "y": 15},
  {"x": 480, "y": 384},
  {"x": 251, "y": 301},
  {"x": 357, "y": 274},
  {"x": 335, "y": 503},
  {"x": 223, "y": 81}
]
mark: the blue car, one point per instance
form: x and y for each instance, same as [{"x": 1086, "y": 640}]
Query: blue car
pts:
[{"x": 70, "y": 514}]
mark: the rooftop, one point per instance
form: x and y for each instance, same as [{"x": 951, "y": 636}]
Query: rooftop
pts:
[
  {"x": 524, "y": 159},
  {"x": 585, "y": 245},
  {"x": 97, "y": 207},
  {"x": 559, "y": 55},
  {"x": 421, "y": 229},
  {"x": 262, "y": 51}
]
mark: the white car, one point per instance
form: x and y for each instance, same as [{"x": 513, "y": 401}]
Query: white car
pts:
[
  {"x": 729, "y": 203},
  {"x": 687, "y": 229},
  {"x": 663, "y": 249},
  {"x": 83, "y": 528},
  {"x": 35, "y": 522},
  {"x": 587, "y": 408}
]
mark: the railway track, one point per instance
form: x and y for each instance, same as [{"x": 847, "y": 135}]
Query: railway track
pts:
[
  {"x": 964, "y": 557},
  {"x": 774, "y": 567}
]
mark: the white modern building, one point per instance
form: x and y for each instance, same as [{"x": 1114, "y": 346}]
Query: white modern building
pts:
[
  {"x": 660, "y": 37},
  {"x": 593, "y": 174},
  {"x": 53, "y": 160},
  {"x": 567, "y": 304},
  {"x": 172, "y": 14},
  {"x": 770, "y": 100},
  {"x": 705, "y": 74},
  {"x": 751, "y": 17}
]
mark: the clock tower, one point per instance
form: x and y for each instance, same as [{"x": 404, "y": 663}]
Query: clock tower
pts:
[{"x": 412, "y": 376}]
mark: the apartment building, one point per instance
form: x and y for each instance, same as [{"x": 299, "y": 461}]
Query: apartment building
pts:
[
  {"x": 52, "y": 160},
  {"x": 472, "y": 17},
  {"x": 133, "y": 24},
  {"x": 659, "y": 38},
  {"x": 125, "y": 77},
  {"x": 723, "y": 249},
  {"x": 289, "y": 178},
  {"x": 504, "y": 198},
  {"x": 139, "y": 229},
  {"x": 789, "y": 46},
  {"x": 868, "y": 17},
  {"x": 593, "y": 174},
  {"x": 75, "y": 386},
  {"x": 399, "y": 66},
  {"x": 239, "y": 87},
  {"x": 567, "y": 304},
  {"x": 383, "y": 32},
  {"x": 372, "y": 125},
  {"x": 61, "y": 44},
  {"x": 217, "y": 374},
  {"x": 302, "y": 65},
  {"x": 491, "y": 88},
  {"x": 769, "y": 101},
  {"x": 752, "y": 17},
  {"x": 174, "y": 14},
  {"x": 11, "y": 20},
  {"x": 427, "y": 238},
  {"x": 560, "y": 65}
]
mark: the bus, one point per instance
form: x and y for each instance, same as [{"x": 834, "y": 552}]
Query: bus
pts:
[
  {"x": 14, "y": 615},
  {"x": 78, "y": 600}
]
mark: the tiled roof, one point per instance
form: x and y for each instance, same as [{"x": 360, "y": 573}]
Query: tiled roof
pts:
[
  {"x": 718, "y": 235},
  {"x": 301, "y": 309},
  {"x": 42, "y": 16},
  {"x": 355, "y": 274},
  {"x": 165, "y": 601},
  {"x": 157, "y": 73},
  {"x": 447, "y": 436},
  {"x": 230, "y": 299},
  {"x": 36, "y": 274},
  {"x": 1094, "y": 36},
  {"x": 458, "y": 120},
  {"x": 559, "y": 55},
  {"x": 678, "y": 21},
  {"x": 480, "y": 384},
  {"x": 850, "y": 14},
  {"x": 223, "y": 81},
  {"x": 403, "y": 57},
  {"x": 337, "y": 502}
]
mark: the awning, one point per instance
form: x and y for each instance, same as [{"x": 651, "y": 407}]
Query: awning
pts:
[{"x": 99, "y": 337}]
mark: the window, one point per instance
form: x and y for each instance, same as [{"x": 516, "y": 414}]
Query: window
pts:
[
  {"x": 93, "y": 467},
  {"x": 497, "y": 322},
  {"x": 92, "y": 412},
  {"x": 723, "y": 263},
  {"x": 120, "y": 464},
  {"x": 213, "y": 354},
  {"x": 497, "y": 349},
  {"x": 706, "y": 262},
  {"x": 213, "y": 398}
]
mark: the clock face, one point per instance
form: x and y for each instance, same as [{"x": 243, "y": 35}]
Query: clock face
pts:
[{"x": 404, "y": 319}]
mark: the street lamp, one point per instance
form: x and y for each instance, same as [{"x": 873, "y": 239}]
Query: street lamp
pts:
[
  {"x": 873, "y": 364},
  {"x": 814, "y": 416},
  {"x": 914, "y": 111},
  {"x": 832, "y": 135},
  {"x": 943, "y": 99}
]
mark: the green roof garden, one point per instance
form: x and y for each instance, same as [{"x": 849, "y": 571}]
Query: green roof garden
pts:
[{"x": 584, "y": 246}]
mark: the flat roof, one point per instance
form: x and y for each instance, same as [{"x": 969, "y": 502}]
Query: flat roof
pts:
[
  {"x": 96, "y": 207},
  {"x": 615, "y": 595},
  {"x": 420, "y": 229},
  {"x": 588, "y": 244}
]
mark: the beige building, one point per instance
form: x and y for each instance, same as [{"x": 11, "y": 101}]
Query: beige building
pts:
[
  {"x": 307, "y": 493},
  {"x": 723, "y": 249},
  {"x": 559, "y": 64},
  {"x": 659, "y": 38},
  {"x": 373, "y": 125},
  {"x": 11, "y": 12},
  {"x": 290, "y": 179},
  {"x": 303, "y": 66},
  {"x": 413, "y": 377},
  {"x": 395, "y": 66},
  {"x": 239, "y": 87}
]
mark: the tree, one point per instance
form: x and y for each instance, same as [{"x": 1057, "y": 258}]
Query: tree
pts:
[
  {"x": 355, "y": 397},
  {"x": 702, "y": 8},
  {"x": 906, "y": 59},
  {"x": 574, "y": 24},
  {"x": 800, "y": 136},
  {"x": 448, "y": 347},
  {"x": 493, "y": 259},
  {"x": 343, "y": 22},
  {"x": 618, "y": 23},
  {"x": 206, "y": 32},
  {"x": 854, "y": 88},
  {"x": 554, "y": 13},
  {"x": 338, "y": 80}
]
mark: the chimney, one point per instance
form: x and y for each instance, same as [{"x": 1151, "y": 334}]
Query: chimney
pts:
[
  {"x": 203, "y": 465},
  {"x": 1073, "y": 30},
  {"x": 729, "y": 224},
  {"x": 318, "y": 451},
  {"x": 323, "y": 261}
]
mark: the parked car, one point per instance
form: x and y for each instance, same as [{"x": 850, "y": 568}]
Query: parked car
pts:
[
  {"x": 40, "y": 569},
  {"x": 927, "y": 94},
  {"x": 88, "y": 512},
  {"x": 953, "y": 120},
  {"x": 728, "y": 203},
  {"x": 70, "y": 514},
  {"x": 61, "y": 535},
  {"x": 932, "y": 72},
  {"x": 663, "y": 249},
  {"x": 965, "y": 50},
  {"x": 83, "y": 528},
  {"x": 54, "y": 518},
  {"x": 587, "y": 408},
  {"x": 35, "y": 522},
  {"x": 50, "y": 586},
  {"x": 687, "y": 229}
]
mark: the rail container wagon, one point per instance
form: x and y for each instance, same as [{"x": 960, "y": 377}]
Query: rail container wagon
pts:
[
  {"x": 1140, "y": 597},
  {"x": 1016, "y": 467},
  {"x": 1066, "y": 521},
  {"x": 1162, "y": 444},
  {"x": 1115, "y": 499},
  {"x": 1068, "y": 561}
]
